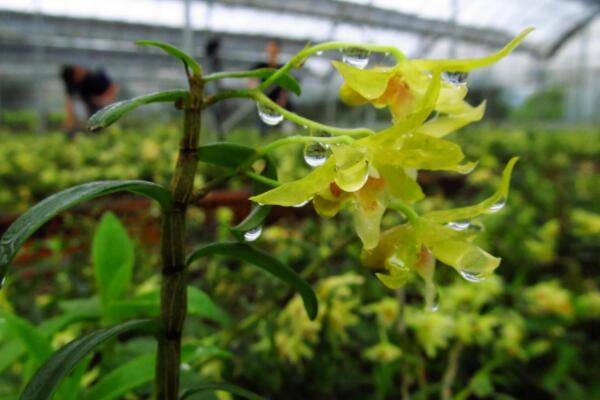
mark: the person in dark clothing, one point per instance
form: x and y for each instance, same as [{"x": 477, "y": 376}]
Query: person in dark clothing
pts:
[
  {"x": 94, "y": 88},
  {"x": 275, "y": 93}
]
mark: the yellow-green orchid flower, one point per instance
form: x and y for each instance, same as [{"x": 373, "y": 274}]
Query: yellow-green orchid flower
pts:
[
  {"x": 367, "y": 175},
  {"x": 401, "y": 87},
  {"x": 442, "y": 235}
]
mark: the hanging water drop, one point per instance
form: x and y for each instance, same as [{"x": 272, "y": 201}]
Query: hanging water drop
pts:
[
  {"x": 253, "y": 234},
  {"x": 315, "y": 154},
  {"x": 471, "y": 276},
  {"x": 301, "y": 204},
  {"x": 497, "y": 206},
  {"x": 356, "y": 57},
  {"x": 455, "y": 77},
  {"x": 459, "y": 225},
  {"x": 320, "y": 52},
  {"x": 268, "y": 115}
]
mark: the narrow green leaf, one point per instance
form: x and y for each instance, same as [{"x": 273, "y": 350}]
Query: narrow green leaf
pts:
[
  {"x": 113, "y": 256},
  {"x": 44, "y": 382},
  {"x": 173, "y": 51},
  {"x": 14, "y": 237},
  {"x": 244, "y": 252},
  {"x": 113, "y": 112},
  {"x": 221, "y": 387},
  {"x": 253, "y": 220}
]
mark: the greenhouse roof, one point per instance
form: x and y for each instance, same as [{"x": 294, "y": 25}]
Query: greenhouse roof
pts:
[{"x": 411, "y": 23}]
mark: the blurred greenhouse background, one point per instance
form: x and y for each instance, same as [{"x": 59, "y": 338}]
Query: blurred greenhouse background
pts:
[
  {"x": 559, "y": 62},
  {"x": 530, "y": 332}
]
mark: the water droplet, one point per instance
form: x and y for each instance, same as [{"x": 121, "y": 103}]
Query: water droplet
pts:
[
  {"x": 320, "y": 52},
  {"x": 253, "y": 234},
  {"x": 456, "y": 78},
  {"x": 2, "y": 282},
  {"x": 472, "y": 276},
  {"x": 301, "y": 204},
  {"x": 458, "y": 225},
  {"x": 497, "y": 206},
  {"x": 315, "y": 154},
  {"x": 268, "y": 115},
  {"x": 356, "y": 57},
  {"x": 432, "y": 297},
  {"x": 353, "y": 178}
]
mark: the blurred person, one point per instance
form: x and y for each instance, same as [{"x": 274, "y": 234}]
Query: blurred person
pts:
[
  {"x": 214, "y": 63},
  {"x": 275, "y": 93},
  {"x": 94, "y": 89}
]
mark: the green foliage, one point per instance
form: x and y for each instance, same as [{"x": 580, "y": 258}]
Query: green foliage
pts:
[
  {"x": 111, "y": 114},
  {"x": 266, "y": 262},
  {"x": 14, "y": 237},
  {"x": 43, "y": 383},
  {"x": 112, "y": 254}
]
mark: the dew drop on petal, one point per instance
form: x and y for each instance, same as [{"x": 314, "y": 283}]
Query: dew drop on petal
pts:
[
  {"x": 315, "y": 154},
  {"x": 356, "y": 57},
  {"x": 268, "y": 115},
  {"x": 301, "y": 204},
  {"x": 456, "y": 78},
  {"x": 253, "y": 234},
  {"x": 459, "y": 225},
  {"x": 497, "y": 206},
  {"x": 471, "y": 276},
  {"x": 353, "y": 178}
]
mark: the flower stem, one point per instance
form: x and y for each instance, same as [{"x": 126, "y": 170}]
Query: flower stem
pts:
[
  {"x": 173, "y": 297},
  {"x": 290, "y": 116},
  {"x": 408, "y": 212},
  {"x": 304, "y": 139}
]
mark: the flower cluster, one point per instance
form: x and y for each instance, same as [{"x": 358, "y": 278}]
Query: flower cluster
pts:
[{"x": 375, "y": 173}]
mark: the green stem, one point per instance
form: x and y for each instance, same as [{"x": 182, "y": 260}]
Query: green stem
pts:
[
  {"x": 290, "y": 116},
  {"x": 173, "y": 297},
  {"x": 302, "y": 55},
  {"x": 304, "y": 139},
  {"x": 263, "y": 179},
  {"x": 410, "y": 214}
]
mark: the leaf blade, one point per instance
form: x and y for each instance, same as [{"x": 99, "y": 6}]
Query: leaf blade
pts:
[
  {"x": 113, "y": 257},
  {"x": 265, "y": 261},
  {"x": 173, "y": 51},
  {"x": 113, "y": 112},
  {"x": 16, "y": 235}
]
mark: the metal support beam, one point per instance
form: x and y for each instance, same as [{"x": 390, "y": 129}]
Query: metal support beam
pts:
[{"x": 361, "y": 14}]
